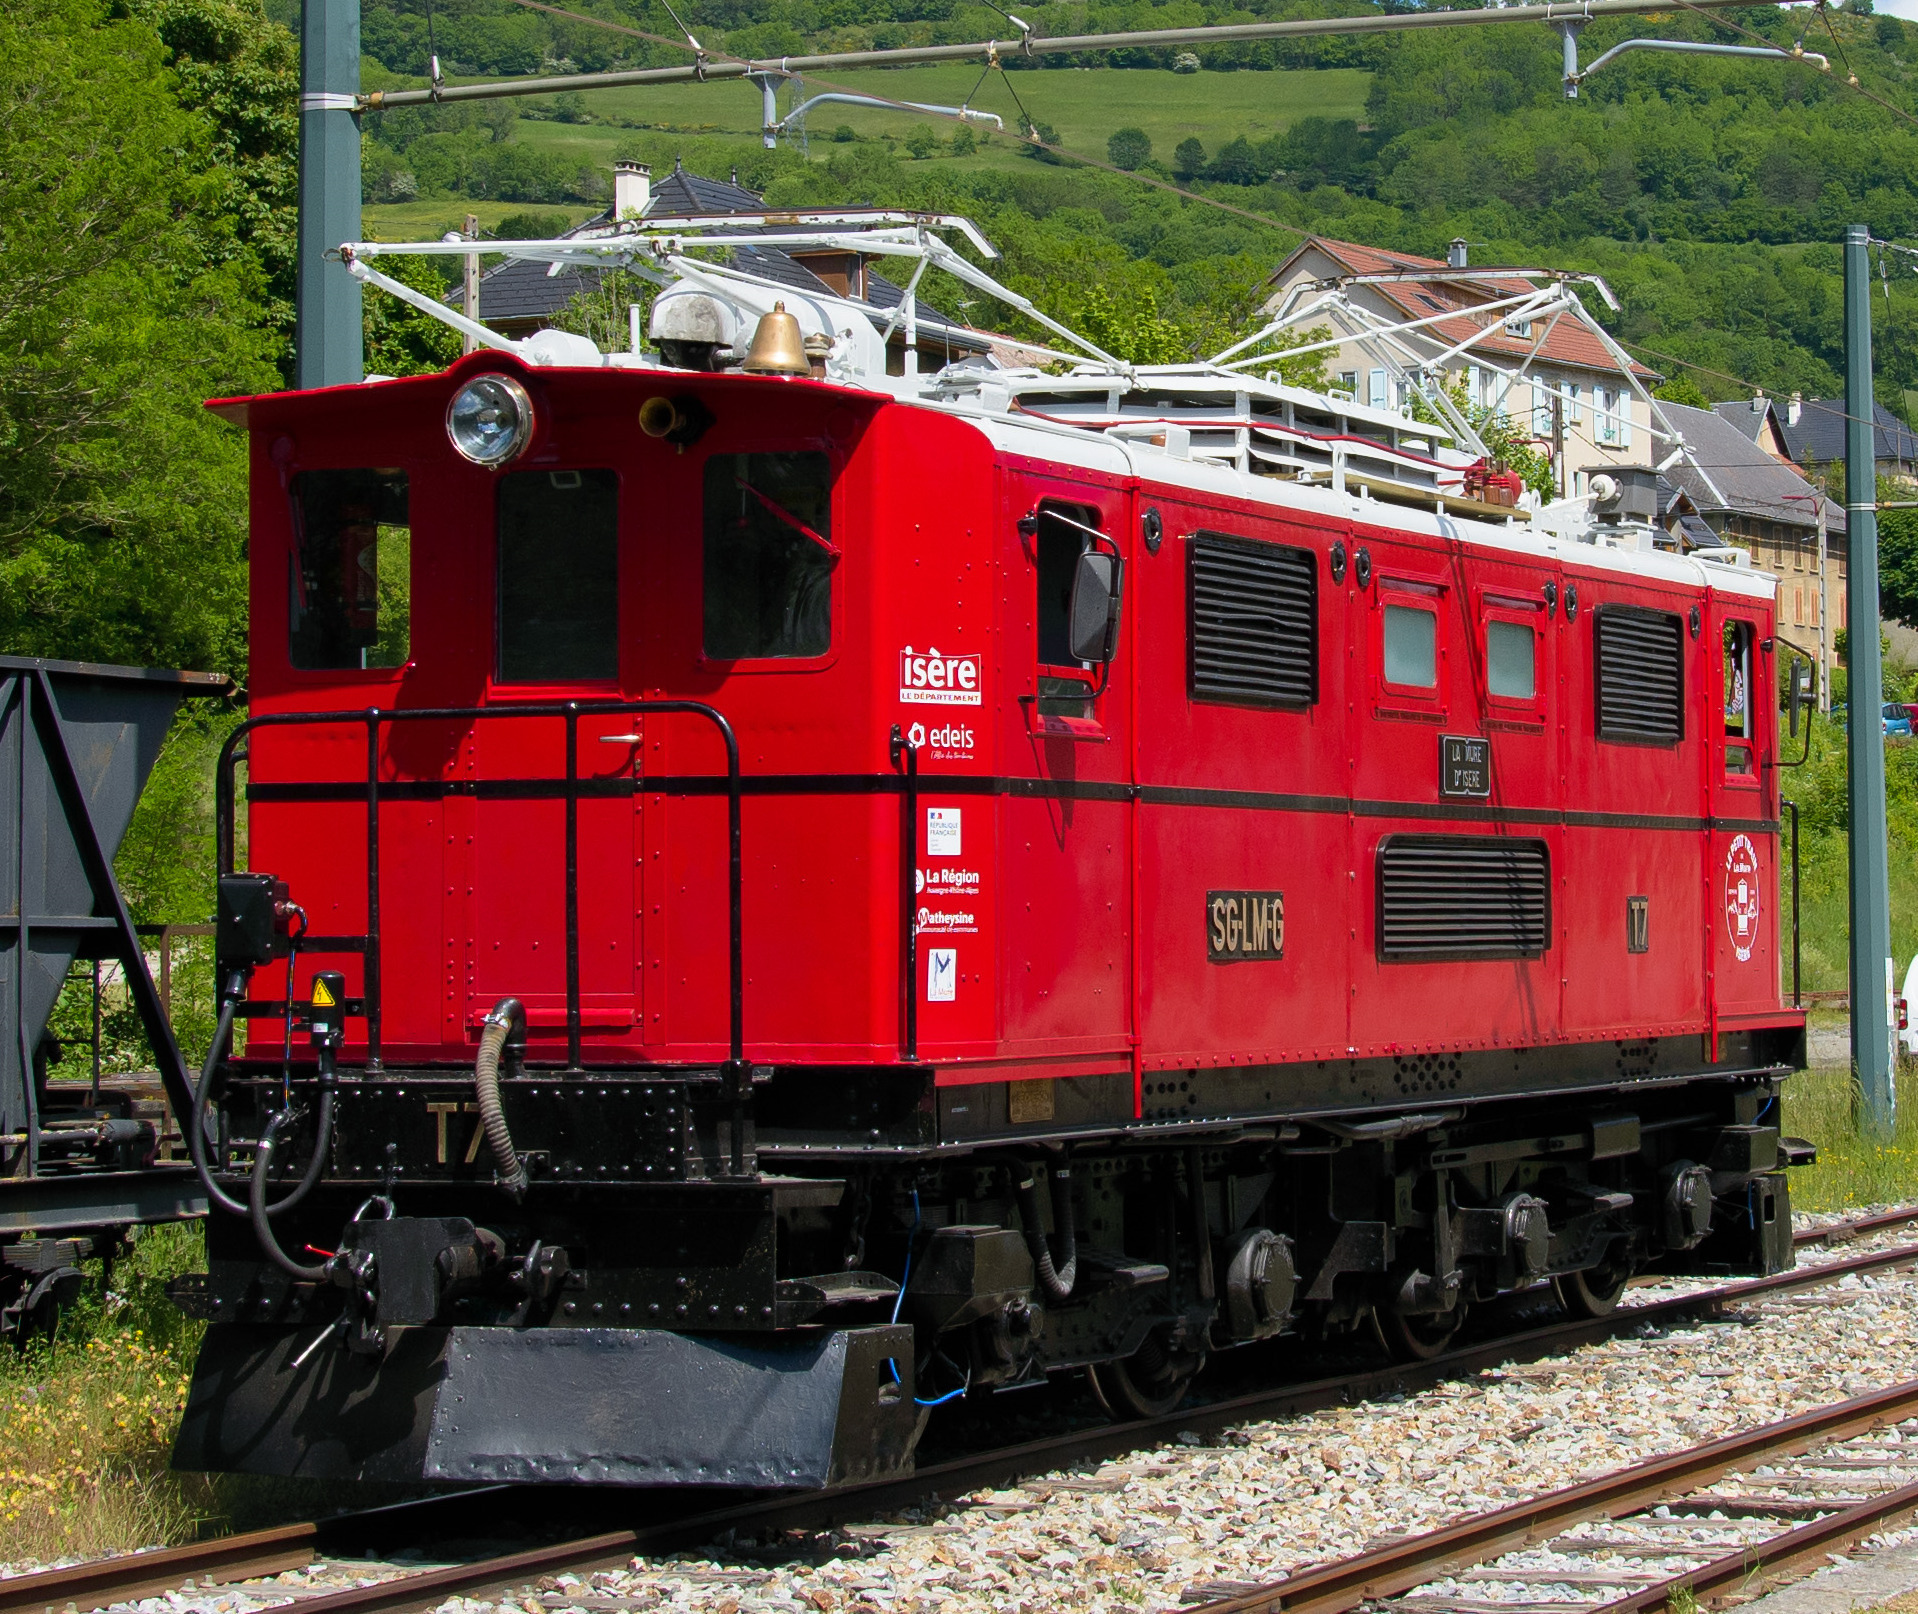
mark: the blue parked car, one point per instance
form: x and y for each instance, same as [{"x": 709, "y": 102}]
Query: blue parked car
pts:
[{"x": 1894, "y": 719}]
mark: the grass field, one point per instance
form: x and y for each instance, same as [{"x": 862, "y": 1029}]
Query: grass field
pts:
[{"x": 1084, "y": 105}]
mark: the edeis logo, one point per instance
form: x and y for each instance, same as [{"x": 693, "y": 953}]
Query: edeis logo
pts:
[{"x": 927, "y": 678}]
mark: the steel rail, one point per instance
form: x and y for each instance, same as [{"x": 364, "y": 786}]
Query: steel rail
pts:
[
  {"x": 1336, "y": 1587},
  {"x": 95, "y": 1585},
  {"x": 1765, "y": 1560},
  {"x": 1863, "y": 1227},
  {"x": 992, "y": 51}
]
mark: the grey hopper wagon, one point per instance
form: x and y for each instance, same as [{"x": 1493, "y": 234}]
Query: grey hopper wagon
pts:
[{"x": 77, "y": 742}]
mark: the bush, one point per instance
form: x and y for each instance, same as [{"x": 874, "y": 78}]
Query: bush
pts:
[
  {"x": 1238, "y": 164},
  {"x": 1129, "y": 149},
  {"x": 922, "y": 143},
  {"x": 1185, "y": 62},
  {"x": 1040, "y": 136},
  {"x": 964, "y": 141},
  {"x": 844, "y": 134},
  {"x": 531, "y": 226}
]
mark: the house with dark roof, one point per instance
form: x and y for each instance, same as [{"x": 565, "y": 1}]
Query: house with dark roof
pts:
[
  {"x": 1761, "y": 421},
  {"x": 1573, "y": 383},
  {"x": 1748, "y": 497},
  {"x": 517, "y": 298},
  {"x": 1814, "y": 433}
]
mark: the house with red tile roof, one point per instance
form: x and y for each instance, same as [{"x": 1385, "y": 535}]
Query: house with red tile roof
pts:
[{"x": 1551, "y": 376}]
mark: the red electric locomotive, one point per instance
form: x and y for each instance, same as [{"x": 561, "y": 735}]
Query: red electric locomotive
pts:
[{"x": 788, "y": 893}]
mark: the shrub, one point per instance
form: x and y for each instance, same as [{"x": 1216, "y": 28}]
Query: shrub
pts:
[{"x": 1129, "y": 149}]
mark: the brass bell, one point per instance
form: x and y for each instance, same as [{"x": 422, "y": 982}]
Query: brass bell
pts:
[{"x": 777, "y": 346}]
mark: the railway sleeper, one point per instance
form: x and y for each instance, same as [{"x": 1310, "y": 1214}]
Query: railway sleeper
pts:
[{"x": 644, "y": 1313}]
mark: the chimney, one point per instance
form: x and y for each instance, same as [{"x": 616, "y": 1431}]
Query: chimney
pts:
[
  {"x": 1794, "y": 409},
  {"x": 1455, "y": 253},
  {"x": 632, "y": 189},
  {"x": 1758, "y": 403}
]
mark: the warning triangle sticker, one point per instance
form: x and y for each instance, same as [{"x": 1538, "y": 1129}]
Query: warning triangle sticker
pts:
[{"x": 323, "y": 999}]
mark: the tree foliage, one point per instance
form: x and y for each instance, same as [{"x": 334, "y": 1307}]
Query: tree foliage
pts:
[
  {"x": 128, "y": 293},
  {"x": 399, "y": 338}
]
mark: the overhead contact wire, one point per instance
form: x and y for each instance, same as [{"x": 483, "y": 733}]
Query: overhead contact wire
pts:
[{"x": 903, "y": 106}]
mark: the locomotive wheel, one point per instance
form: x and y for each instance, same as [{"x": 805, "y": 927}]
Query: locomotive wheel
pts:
[
  {"x": 1594, "y": 1292},
  {"x": 1417, "y": 1339},
  {"x": 1147, "y": 1384}
]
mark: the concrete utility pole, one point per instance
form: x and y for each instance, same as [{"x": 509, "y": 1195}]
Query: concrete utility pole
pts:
[
  {"x": 328, "y": 338},
  {"x": 1872, "y": 976}
]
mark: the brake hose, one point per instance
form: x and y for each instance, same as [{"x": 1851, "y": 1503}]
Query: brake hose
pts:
[
  {"x": 499, "y": 1027},
  {"x": 257, "y": 1208},
  {"x": 1057, "y": 1280},
  {"x": 203, "y": 1094}
]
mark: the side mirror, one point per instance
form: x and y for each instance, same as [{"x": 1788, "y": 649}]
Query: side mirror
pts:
[
  {"x": 1801, "y": 695},
  {"x": 1093, "y": 617}
]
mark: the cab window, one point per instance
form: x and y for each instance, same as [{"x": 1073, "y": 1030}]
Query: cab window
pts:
[
  {"x": 769, "y": 556},
  {"x": 1411, "y": 647},
  {"x": 1741, "y": 724},
  {"x": 349, "y": 577},
  {"x": 1064, "y": 685},
  {"x": 558, "y": 593},
  {"x": 1511, "y": 660}
]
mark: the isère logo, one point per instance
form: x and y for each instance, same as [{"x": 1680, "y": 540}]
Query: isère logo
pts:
[{"x": 927, "y": 678}]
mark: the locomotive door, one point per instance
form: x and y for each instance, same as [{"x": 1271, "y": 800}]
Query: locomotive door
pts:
[
  {"x": 1067, "y": 836},
  {"x": 518, "y": 939},
  {"x": 1741, "y": 871}
]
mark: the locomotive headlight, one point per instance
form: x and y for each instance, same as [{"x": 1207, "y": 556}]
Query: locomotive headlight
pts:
[{"x": 490, "y": 419}]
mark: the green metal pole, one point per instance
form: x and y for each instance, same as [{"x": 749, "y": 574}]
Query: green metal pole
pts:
[
  {"x": 1871, "y": 963},
  {"x": 328, "y": 337}
]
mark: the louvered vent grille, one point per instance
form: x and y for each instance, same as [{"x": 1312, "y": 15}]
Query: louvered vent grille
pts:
[
  {"x": 1254, "y": 629},
  {"x": 1458, "y": 896},
  {"x": 1641, "y": 676}
]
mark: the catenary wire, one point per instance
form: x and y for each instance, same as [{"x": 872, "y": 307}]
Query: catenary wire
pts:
[
  {"x": 1850, "y": 82},
  {"x": 1032, "y": 136}
]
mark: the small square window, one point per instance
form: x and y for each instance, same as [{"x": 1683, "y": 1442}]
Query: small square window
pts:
[
  {"x": 1511, "y": 653},
  {"x": 1411, "y": 647},
  {"x": 349, "y": 583},
  {"x": 558, "y": 569},
  {"x": 769, "y": 557}
]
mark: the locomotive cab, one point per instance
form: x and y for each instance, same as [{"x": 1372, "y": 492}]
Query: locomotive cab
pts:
[{"x": 753, "y": 905}]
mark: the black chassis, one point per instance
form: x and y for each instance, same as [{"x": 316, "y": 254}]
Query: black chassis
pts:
[{"x": 635, "y": 1216}]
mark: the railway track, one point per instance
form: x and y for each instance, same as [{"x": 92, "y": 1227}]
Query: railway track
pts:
[
  {"x": 1728, "y": 1541},
  {"x": 242, "y": 1562}
]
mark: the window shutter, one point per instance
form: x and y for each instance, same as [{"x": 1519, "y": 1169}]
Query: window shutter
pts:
[
  {"x": 1253, "y": 622},
  {"x": 1463, "y": 896},
  {"x": 1640, "y": 675}
]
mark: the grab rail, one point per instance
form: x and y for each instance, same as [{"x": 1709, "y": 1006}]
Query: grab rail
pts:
[{"x": 374, "y": 717}]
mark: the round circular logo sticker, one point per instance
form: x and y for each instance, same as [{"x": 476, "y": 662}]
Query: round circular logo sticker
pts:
[{"x": 1741, "y": 896}]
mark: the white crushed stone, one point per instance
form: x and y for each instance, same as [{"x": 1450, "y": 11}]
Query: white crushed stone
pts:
[{"x": 1202, "y": 1517}]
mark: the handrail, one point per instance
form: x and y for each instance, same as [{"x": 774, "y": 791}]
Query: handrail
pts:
[
  {"x": 570, "y": 712},
  {"x": 1797, "y": 998}
]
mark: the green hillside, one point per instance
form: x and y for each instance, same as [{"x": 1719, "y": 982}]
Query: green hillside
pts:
[{"x": 1710, "y": 192}]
